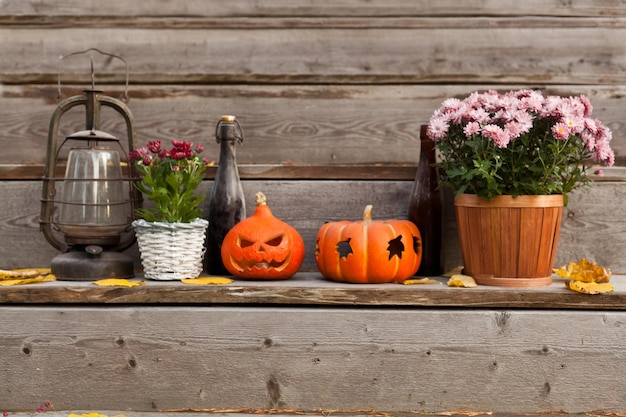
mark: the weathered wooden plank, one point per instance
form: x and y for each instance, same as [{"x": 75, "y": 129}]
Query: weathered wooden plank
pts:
[
  {"x": 254, "y": 412},
  {"x": 286, "y": 125},
  {"x": 168, "y": 358},
  {"x": 395, "y": 172},
  {"x": 306, "y": 205},
  {"x": 310, "y": 288},
  {"x": 592, "y": 227},
  {"x": 507, "y": 55},
  {"x": 281, "y": 22},
  {"x": 263, "y": 172},
  {"x": 250, "y": 8}
]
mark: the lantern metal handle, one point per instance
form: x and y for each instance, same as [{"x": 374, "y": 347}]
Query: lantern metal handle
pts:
[
  {"x": 93, "y": 80},
  {"x": 91, "y": 100}
]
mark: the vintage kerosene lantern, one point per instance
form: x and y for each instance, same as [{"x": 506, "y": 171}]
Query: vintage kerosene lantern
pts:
[{"x": 87, "y": 213}]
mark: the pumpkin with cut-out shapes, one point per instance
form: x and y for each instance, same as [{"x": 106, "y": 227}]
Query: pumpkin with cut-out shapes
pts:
[
  {"x": 262, "y": 246},
  {"x": 368, "y": 251}
]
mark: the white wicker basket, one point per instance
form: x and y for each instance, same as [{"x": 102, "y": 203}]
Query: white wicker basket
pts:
[{"x": 171, "y": 251}]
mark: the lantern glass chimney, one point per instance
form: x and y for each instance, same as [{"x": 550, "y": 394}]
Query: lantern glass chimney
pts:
[{"x": 94, "y": 208}]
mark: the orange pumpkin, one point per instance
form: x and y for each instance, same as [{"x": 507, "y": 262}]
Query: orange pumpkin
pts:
[
  {"x": 262, "y": 246},
  {"x": 368, "y": 251}
]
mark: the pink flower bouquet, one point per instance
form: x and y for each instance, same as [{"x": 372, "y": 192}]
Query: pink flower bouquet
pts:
[{"x": 518, "y": 143}]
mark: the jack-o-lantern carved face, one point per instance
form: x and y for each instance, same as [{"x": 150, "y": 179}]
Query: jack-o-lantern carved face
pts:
[
  {"x": 265, "y": 252},
  {"x": 368, "y": 251},
  {"x": 262, "y": 246}
]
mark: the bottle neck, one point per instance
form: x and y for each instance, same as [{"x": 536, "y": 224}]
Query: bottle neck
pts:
[{"x": 227, "y": 149}]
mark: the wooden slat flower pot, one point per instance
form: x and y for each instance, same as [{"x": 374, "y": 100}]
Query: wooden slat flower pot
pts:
[{"x": 508, "y": 241}]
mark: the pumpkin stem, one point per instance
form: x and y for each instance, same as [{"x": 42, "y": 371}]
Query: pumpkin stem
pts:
[
  {"x": 367, "y": 213},
  {"x": 260, "y": 199}
]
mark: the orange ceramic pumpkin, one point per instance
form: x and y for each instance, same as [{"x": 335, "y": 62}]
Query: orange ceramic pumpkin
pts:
[
  {"x": 262, "y": 246},
  {"x": 368, "y": 251}
]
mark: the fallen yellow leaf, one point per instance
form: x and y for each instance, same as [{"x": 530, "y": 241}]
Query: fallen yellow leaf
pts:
[
  {"x": 23, "y": 281},
  {"x": 420, "y": 281},
  {"x": 118, "y": 282},
  {"x": 20, "y": 273},
  {"x": 584, "y": 270},
  {"x": 41, "y": 271},
  {"x": 87, "y": 415},
  {"x": 591, "y": 288},
  {"x": 460, "y": 280},
  {"x": 207, "y": 281}
]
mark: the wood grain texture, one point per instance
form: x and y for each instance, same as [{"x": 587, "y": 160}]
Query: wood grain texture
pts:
[
  {"x": 592, "y": 224},
  {"x": 324, "y": 90},
  {"x": 306, "y": 205},
  {"x": 311, "y": 288},
  {"x": 288, "y": 125},
  {"x": 392, "y": 172},
  {"x": 509, "y": 54},
  {"x": 251, "y": 8},
  {"x": 166, "y": 358}
]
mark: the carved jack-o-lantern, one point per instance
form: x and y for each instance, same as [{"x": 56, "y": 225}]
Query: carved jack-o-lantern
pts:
[
  {"x": 262, "y": 246},
  {"x": 368, "y": 251}
]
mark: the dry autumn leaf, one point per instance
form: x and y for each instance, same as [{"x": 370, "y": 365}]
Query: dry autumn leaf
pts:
[
  {"x": 118, "y": 282},
  {"x": 12, "y": 274},
  {"x": 460, "y": 280},
  {"x": 420, "y": 281},
  {"x": 23, "y": 281},
  {"x": 585, "y": 271},
  {"x": 591, "y": 288},
  {"x": 207, "y": 281},
  {"x": 93, "y": 415}
]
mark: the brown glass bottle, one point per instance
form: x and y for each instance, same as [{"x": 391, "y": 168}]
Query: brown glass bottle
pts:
[
  {"x": 426, "y": 208},
  {"x": 227, "y": 204}
]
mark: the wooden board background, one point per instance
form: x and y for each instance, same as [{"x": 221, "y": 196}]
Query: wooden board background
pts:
[
  {"x": 330, "y": 91},
  {"x": 331, "y": 96},
  {"x": 345, "y": 82},
  {"x": 591, "y": 228},
  {"x": 165, "y": 358}
]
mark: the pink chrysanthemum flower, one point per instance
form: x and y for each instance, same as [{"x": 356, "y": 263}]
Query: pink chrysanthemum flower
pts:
[
  {"x": 450, "y": 104},
  {"x": 532, "y": 102},
  {"x": 513, "y": 129},
  {"x": 479, "y": 115},
  {"x": 574, "y": 123},
  {"x": 550, "y": 107},
  {"x": 589, "y": 139},
  {"x": 591, "y": 125},
  {"x": 587, "y": 105},
  {"x": 437, "y": 129},
  {"x": 525, "y": 121},
  {"x": 497, "y": 135},
  {"x": 560, "y": 131},
  {"x": 471, "y": 128}
]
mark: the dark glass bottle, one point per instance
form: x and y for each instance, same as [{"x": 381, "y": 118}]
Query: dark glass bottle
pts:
[
  {"x": 227, "y": 204},
  {"x": 426, "y": 208}
]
